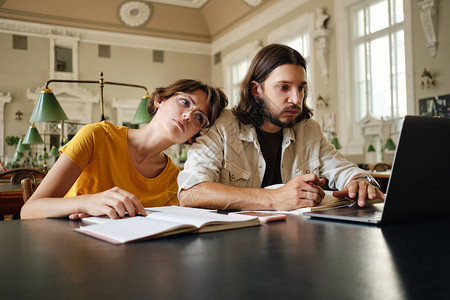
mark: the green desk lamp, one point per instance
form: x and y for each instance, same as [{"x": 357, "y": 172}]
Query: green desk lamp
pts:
[
  {"x": 21, "y": 147},
  {"x": 142, "y": 116},
  {"x": 32, "y": 138},
  {"x": 48, "y": 109},
  {"x": 335, "y": 143},
  {"x": 54, "y": 151},
  {"x": 371, "y": 148},
  {"x": 390, "y": 145}
]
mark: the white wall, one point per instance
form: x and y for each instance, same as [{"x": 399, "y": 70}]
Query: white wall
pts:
[{"x": 30, "y": 69}]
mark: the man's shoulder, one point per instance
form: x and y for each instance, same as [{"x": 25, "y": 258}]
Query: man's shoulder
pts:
[
  {"x": 226, "y": 118},
  {"x": 307, "y": 124},
  {"x": 226, "y": 114}
]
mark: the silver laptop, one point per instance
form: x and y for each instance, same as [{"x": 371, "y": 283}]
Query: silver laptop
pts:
[{"x": 419, "y": 181}]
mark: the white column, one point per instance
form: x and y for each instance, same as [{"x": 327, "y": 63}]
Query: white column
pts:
[{"x": 3, "y": 99}]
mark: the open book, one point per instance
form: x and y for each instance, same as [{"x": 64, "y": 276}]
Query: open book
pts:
[
  {"x": 329, "y": 201},
  {"x": 162, "y": 221}
]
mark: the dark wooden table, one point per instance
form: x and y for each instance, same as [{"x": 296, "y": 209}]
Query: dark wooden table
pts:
[
  {"x": 11, "y": 200},
  {"x": 300, "y": 258}
]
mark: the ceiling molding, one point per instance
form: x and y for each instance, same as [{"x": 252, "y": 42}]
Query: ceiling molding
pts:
[
  {"x": 253, "y": 2},
  {"x": 247, "y": 28},
  {"x": 268, "y": 15},
  {"x": 184, "y": 3},
  {"x": 103, "y": 37},
  {"x": 82, "y": 23}
]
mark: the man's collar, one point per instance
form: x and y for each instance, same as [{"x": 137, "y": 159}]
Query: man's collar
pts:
[
  {"x": 288, "y": 134},
  {"x": 248, "y": 133}
]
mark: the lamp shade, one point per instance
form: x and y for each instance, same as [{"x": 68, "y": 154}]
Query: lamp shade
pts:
[
  {"x": 17, "y": 156},
  {"x": 47, "y": 108},
  {"x": 142, "y": 116},
  {"x": 335, "y": 143},
  {"x": 32, "y": 136},
  {"x": 43, "y": 156},
  {"x": 371, "y": 148},
  {"x": 54, "y": 151},
  {"x": 21, "y": 147},
  {"x": 390, "y": 145}
]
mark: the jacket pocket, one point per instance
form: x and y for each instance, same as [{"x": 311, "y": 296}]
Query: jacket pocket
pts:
[
  {"x": 234, "y": 175},
  {"x": 309, "y": 167}
]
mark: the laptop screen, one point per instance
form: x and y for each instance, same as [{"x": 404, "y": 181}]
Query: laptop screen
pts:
[{"x": 418, "y": 185}]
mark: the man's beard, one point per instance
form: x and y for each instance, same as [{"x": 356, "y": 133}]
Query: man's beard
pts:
[{"x": 275, "y": 119}]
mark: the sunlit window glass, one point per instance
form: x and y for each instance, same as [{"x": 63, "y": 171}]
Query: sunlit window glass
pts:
[
  {"x": 378, "y": 16},
  {"x": 238, "y": 72},
  {"x": 378, "y": 50}
]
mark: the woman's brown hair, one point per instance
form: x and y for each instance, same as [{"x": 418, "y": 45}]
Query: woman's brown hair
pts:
[{"x": 215, "y": 97}]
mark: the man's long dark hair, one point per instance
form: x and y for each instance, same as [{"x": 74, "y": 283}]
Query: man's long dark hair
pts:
[{"x": 249, "y": 109}]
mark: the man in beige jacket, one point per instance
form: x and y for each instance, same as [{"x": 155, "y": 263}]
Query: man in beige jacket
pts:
[{"x": 269, "y": 138}]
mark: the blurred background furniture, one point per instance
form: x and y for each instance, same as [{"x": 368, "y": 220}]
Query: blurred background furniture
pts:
[
  {"x": 381, "y": 167},
  {"x": 14, "y": 176},
  {"x": 11, "y": 197},
  {"x": 381, "y": 172},
  {"x": 11, "y": 201}
]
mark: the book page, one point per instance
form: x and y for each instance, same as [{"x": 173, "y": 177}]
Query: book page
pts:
[
  {"x": 330, "y": 201},
  {"x": 173, "y": 208},
  {"x": 195, "y": 217},
  {"x": 180, "y": 209},
  {"x": 130, "y": 229},
  {"x": 171, "y": 220}
]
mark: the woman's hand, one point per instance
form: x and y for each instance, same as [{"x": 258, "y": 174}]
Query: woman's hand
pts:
[{"x": 114, "y": 203}]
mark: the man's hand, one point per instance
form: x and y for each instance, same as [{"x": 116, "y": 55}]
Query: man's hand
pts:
[
  {"x": 114, "y": 203},
  {"x": 361, "y": 190},
  {"x": 300, "y": 191}
]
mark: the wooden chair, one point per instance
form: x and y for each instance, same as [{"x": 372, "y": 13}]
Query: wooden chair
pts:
[
  {"x": 15, "y": 176},
  {"x": 381, "y": 167},
  {"x": 28, "y": 188},
  {"x": 12, "y": 195}
]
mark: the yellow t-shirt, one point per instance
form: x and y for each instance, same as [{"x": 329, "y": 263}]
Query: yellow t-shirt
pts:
[{"x": 100, "y": 150}]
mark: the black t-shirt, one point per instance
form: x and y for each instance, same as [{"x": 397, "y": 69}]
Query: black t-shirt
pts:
[{"x": 271, "y": 150}]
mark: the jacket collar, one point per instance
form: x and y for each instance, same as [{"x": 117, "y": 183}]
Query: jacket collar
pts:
[{"x": 247, "y": 133}]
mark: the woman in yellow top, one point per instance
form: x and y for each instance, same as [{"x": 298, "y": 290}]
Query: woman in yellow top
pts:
[{"x": 111, "y": 170}]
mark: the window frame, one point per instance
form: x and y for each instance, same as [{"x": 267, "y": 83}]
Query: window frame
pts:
[
  {"x": 349, "y": 129},
  {"x": 233, "y": 59},
  {"x": 304, "y": 23}
]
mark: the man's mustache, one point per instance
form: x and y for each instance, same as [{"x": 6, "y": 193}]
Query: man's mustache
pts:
[{"x": 293, "y": 106}]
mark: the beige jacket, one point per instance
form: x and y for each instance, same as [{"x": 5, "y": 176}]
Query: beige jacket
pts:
[{"x": 230, "y": 153}]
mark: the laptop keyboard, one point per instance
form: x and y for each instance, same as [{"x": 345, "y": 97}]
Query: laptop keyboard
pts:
[{"x": 368, "y": 213}]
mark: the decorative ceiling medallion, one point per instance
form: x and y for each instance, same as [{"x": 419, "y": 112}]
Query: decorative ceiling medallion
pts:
[
  {"x": 134, "y": 13},
  {"x": 253, "y": 2}
]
